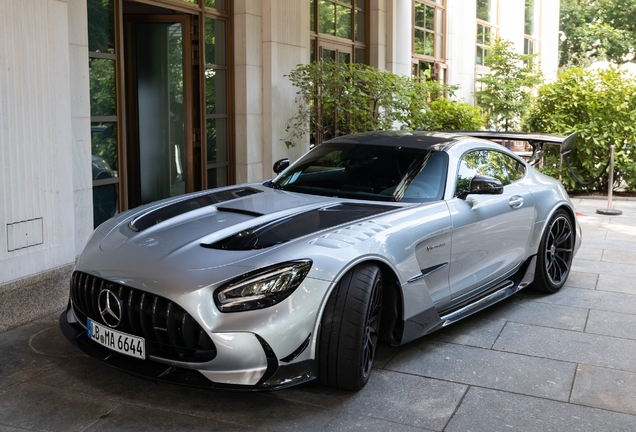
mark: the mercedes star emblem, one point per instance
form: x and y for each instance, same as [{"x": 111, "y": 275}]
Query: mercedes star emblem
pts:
[{"x": 109, "y": 308}]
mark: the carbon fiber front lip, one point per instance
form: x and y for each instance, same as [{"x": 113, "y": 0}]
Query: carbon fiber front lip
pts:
[{"x": 282, "y": 377}]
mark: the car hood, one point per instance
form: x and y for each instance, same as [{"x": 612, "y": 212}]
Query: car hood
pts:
[{"x": 205, "y": 230}]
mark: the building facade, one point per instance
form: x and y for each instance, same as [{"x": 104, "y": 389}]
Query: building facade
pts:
[{"x": 109, "y": 104}]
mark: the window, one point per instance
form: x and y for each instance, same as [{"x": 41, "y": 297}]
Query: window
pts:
[
  {"x": 488, "y": 163},
  {"x": 429, "y": 19},
  {"x": 530, "y": 39},
  {"x": 338, "y": 30},
  {"x": 216, "y": 106},
  {"x": 103, "y": 102},
  {"x": 486, "y": 28},
  {"x": 372, "y": 172}
]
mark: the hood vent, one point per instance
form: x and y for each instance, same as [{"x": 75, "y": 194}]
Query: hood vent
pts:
[
  {"x": 298, "y": 225},
  {"x": 180, "y": 207}
]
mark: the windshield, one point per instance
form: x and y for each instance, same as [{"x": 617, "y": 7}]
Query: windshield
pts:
[{"x": 369, "y": 172}]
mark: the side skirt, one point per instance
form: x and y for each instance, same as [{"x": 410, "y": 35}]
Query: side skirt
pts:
[{"x": 430, "y": 320}]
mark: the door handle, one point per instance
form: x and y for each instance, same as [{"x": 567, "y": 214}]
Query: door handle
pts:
[{"x": 516, "y": 201}]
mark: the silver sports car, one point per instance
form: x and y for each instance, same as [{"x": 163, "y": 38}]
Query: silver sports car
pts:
[{"x": 377, "y": 236}]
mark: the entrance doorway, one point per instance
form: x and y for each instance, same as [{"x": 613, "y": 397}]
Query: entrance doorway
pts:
[{"x": 159, "y": 106}]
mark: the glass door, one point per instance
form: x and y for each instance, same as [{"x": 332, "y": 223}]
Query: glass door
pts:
[{"x": 159, "y": 93}]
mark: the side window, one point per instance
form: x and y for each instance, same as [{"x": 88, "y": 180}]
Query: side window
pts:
[
  {"x": 516, "y": 170},
  {"x": 480, "y": 162}
]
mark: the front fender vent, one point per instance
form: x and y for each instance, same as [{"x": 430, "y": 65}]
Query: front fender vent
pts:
[{"x": 350, "y": 236}]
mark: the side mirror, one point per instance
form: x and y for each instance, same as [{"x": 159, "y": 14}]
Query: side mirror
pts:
[
  {"x": 280, "y": 165},
  {"x": 484, "y": 185}
]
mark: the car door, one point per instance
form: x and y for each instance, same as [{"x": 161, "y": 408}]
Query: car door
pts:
[{"x": 489, "y": 232}]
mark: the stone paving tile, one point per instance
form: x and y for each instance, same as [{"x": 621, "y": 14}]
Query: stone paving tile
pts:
[
  {"x": 568, "y": 346},
  {"x": 90, "y": 377},
  {"x": 4, "y": 428},
  {"x": 7, "y": 383},
  {"x": 586, "y": 253},
  {"x": 605, "y": 388},
  {"x": 395, "y": 397},
  {"x": 615, "y": 245},
  {"x": 479, "y": 330},
  {"x": 620, "y": 284},
  {"x": 541, "y": 314},
  {"x": 588, "y": 299},
  {"x": 486, "y": 368},
  {"x": 257, "y": 410},
  {"x": 603, "y": 267},
  {"x": 347, "y": 422},
  {"x": 592, "y": 235},
  {"x": 582, "y": 280},
  {"x": 611, "y": 324},
  {"x": 35, "y": 406},
  {"x": 41, "y": 337},
  {"x": 22, "y": 366},
  {"x": 619, "y": 257},
  {"x": 135, "y": 419},
  {"x": 621, "y": 233},
  {"x": 496, "y": 411}
]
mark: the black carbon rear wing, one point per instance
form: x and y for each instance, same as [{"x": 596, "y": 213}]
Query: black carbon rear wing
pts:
[{"x": 536, "y": 140}]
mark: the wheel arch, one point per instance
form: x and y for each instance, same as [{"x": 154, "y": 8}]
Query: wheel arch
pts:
[
  {"x": 571, "y": 214},
  {"x": 392, "y": 323}
]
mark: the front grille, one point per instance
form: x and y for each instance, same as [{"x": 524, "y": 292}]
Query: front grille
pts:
[{"x": 170, "y": 332}]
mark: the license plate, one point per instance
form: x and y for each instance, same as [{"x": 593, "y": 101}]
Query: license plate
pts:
[{"x": 124, "y": 343}]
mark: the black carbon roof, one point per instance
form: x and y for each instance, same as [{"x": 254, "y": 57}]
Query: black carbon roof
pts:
[{"x": 411, "y": 139}]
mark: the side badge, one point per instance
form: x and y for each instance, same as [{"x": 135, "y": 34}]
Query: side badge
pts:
[{"x": 430, "y": 248}]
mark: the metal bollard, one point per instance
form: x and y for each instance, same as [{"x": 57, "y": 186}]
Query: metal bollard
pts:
[{"x": 609, "y": 210}]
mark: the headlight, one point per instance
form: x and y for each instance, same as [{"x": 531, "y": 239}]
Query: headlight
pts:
[{"x": 262, "y": 288}]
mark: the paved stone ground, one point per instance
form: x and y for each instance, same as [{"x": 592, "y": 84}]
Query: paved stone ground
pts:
[{"x": 563, "y": 362}]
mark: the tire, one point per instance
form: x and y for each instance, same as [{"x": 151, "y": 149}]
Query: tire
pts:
[
  {"x": 349, "y": 329},
  {"x": 556, "y": 251}
]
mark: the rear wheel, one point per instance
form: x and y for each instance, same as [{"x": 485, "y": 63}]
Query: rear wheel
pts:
[
  {"x": 555, "y": 254},
  {"x": 349, "y": 329}
]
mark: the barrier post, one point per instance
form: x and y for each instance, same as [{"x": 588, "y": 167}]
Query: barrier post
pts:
[{"x": 609, "y": 210}]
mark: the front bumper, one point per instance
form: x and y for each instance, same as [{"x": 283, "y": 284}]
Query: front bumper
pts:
[{"x": 243, "y": 361}]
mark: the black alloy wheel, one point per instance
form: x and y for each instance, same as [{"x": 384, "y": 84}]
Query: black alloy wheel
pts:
[{"x": 555, "y": 253}]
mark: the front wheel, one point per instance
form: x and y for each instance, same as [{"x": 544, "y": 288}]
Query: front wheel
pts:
[
  {"x": 555, "y": 254},
  {"x": 349, "y": 329}
]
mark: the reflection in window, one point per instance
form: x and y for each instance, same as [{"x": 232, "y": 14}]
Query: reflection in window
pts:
[
  {"x": 484, "y": 40},
  {"x": 104, "y": 150},
  {"x": 344, "y": 22},
  {"x": 101, "y": 33},
  {"x": 216, "y": 110},
  {"x": 481, "y": 162},
  {"x": 428, "y": 38},
  {"x": 103, "y": 103},
  {"x": 530, "y": 42},
  {"x": 215, "y": 91},
  {"x": 216, "y": 140},
  {"x": 217, "y": 177},
  {"x": 529, "y": 18},
  {"x": 486, "y": 29},
  {"x": 485, "y": 10},
  {"x": 216, "y": 4},
  {"x": 102, "y": 86},
  {"x": 215, "y": 42}
]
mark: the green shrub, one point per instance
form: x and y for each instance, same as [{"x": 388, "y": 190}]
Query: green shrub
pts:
[
  {"x": 339, "y": 99},
  {"x": 601, "y": 107},
  {"x": 447, "y": 114},
  {"x": 506, "y": 92}
]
